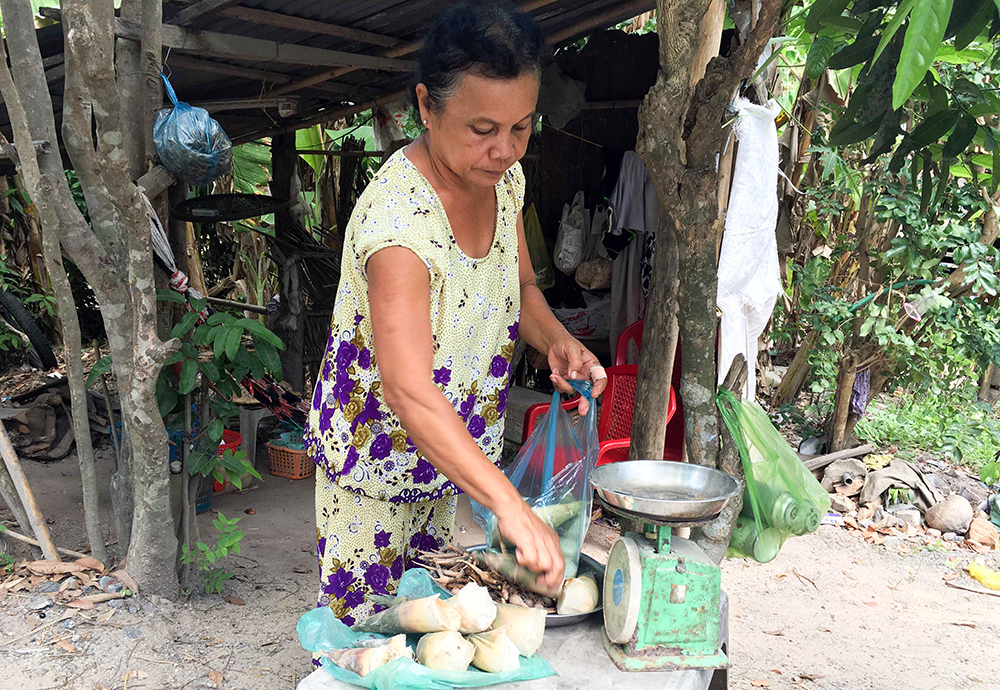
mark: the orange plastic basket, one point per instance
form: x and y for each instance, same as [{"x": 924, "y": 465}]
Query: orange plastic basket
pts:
[{"x": 292, "y": 464}]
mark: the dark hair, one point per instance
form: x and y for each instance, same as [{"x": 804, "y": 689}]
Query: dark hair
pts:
[{"x": 491, "y": 39}]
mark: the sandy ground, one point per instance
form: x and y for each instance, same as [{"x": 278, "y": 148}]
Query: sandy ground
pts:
[{"x": 831, "y": 612}]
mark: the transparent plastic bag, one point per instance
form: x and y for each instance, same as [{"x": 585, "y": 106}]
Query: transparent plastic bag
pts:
[
  {"x": 320, "y": 630},
  {"x": 573, "y": 229},
  {"x": 782, "y": 498},
  {"x": 552, "y": 473},
  {"x": 541, "y": 262},
  {"x": 190, "y": 143}
]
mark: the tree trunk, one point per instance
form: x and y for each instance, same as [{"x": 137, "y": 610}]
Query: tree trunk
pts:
[
  {"x": 680, "y": 139},
  {"x": 73, "y": 347},
  {"x": 795, "y": 376},
  {"x": 291, "y": 318},
  {"x": 837, "y": 431}
]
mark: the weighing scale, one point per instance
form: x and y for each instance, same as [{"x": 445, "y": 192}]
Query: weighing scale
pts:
[{"x": 661, "y": 592}]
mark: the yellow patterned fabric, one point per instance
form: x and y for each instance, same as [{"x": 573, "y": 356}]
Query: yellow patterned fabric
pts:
[
  {"x": 351, "y": 434},
  {"x": 364, "y": 545}
]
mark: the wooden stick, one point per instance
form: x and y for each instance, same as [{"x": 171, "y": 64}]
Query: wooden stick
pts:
[
  {"x": 974, "y": 590},
  {"x": 9, "y": 494},
  {"x": 822, "y": 461},
  {"x": 33, "y": 542},
  {"x": 35, "y": 517}
]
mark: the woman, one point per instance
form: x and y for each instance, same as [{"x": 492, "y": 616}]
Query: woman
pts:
[{"x": 436, "y": 285}]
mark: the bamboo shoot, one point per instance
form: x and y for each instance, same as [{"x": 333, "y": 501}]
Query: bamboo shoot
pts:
[
  {"x": 425, "y": 615},
  {"x": 495, "y": 652},
  {"x": 579, "y": 595},
  {"x": 525, "y": 627},
  {"x": 363, "y": 660},
  {"x": 476, "y": 608},
  {"x": 505, "y": 565},
  {"x": 445, "y": 651}
]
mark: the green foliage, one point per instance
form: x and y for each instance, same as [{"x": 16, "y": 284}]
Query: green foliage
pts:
[
  {"x": 206, "y": 557},
  {"x": 951, "y": 422}
]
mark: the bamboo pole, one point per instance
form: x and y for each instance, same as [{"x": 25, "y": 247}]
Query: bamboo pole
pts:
[
  {"x": 35, "y": 517},
  {"x": 34, "y": 542},
  {"x": 9, "y": 494}
]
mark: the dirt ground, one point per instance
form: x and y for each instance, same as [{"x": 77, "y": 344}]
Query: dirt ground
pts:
[{"x": 831, "y": 612}]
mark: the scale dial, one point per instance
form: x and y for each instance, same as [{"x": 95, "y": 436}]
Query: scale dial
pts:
[{"x": 622, "y": 590}]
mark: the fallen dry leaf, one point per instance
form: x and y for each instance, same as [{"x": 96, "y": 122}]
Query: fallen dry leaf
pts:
[
  {"x": 810, "y": 676},
  {"x": 235, "y": 601},
  {"x": 106, "y": 616},
  {"x": 780, "y": 577},
  {"x": 250, "y": 511},
  {"x": 303, "y": 568},
  {"x": 53, "y": 567},
  {"x": 80, "y": 604},
  {"x": 825, "y": 630},
  {"x": 951, "y": 576},
  {"x": 215, "y": 677},
  {"x": 126, "y": 579},
  {"x": 775, "y": 633},
  {"x": 92, "y": 563},
  {"x": 774, "y": 670},
  {"x": 102, "y": 597},
  {"x": 871, "y": 603},
  {"x": 66, "y": 646},
  {"x": 965, "y": 624},
  {"x": 760, "y": 683},
  {"x": 134, "y": 675}
]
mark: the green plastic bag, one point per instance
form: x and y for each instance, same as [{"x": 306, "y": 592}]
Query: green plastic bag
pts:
[
  {"x": 782, "y": 498},
  {"x": 320, "y": 630}
]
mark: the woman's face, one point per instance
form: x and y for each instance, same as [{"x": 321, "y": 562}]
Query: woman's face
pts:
[{"x": 483, "y": 128}]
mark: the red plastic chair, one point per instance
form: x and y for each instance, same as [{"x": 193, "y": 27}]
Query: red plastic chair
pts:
[{"x": 631, "y": 332}]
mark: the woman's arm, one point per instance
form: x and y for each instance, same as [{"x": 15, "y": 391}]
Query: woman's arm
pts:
[
  {"x": 539, "y": 327},
  {"x": 399, "y": 299}
]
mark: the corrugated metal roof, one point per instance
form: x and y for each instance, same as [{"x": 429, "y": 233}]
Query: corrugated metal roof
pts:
[{"x": 403, "y": 20}]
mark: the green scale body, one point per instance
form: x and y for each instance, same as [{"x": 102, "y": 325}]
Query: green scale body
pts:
[{"x": 662, "y": 605}]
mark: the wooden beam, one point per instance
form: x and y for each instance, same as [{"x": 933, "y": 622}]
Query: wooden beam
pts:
[
  {"x": 322, "y": 118},
  {"x": 200, "y": 9},
  {"x": 199, "y": 65},
  {"x": 259, "y": 50},
  {"x": 312, "y": 26},
  {"x": 394, "y": 52},
  {"x": 156, "y": 181},
  {"x": 340, "y": 154},
  {"x": 287, "y": 105},
  {"x": 601, "y": 20}
]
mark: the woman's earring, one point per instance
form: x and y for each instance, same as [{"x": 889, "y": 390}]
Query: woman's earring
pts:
[{"x": 425, "y": 123}]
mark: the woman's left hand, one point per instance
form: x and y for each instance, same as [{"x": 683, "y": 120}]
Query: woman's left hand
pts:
[{"x": 569, "y": 359}]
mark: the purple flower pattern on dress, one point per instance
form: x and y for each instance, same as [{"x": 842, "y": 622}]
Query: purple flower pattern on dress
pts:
[
  {"x": 477, "y": 425},
  {"x": 377, "y": 578},
  {"x": 342, "y": 387},
  {"x": 369, "y": 413},
  {"x": 423, "y": 472},
  {"x": 337, "y": 584},
  {"x": 365, "y": 358},
  {"x": 442, "y": 376},
  {"x": 498, "y": 367},
  {"x": 502, "y": 400},
  {"x": 512, "y": 331},
  {"x": 428, "y": 543},
  {"x": 351, "y": 461},
  {"x": 381, "y": 539},
  {"x": 466, "y": 409},
  {"x": 354, "y": 599},
  {"x": 381, "y": 447},
  {"x": 346, "y": 354}
]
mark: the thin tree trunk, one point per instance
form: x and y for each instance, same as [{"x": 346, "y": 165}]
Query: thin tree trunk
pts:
[
  {"x": 795, "y": 376},
  {"x": 656, "y": 357},
  {"x": 842, "y": 403},
  {"x": 986, "y": 382},
  {"x": 73, "y": 347}
]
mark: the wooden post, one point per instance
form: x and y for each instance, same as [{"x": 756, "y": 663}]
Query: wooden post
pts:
[
  {"x": 35, "y": 518},
  {"x": 291, "y": 318},
  {"x": 8, "y": 491}
]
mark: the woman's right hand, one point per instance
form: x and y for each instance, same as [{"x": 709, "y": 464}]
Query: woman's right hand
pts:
[{"x": 537, "y": 544}]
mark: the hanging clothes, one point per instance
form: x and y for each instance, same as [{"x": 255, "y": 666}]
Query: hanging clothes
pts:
[
  {"x": 749, "y": 279},
  {"x": 634, "y": 214}
]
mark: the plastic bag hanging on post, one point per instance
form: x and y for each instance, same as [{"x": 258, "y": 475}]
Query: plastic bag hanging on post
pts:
[
  {"x": 552, "y": 474},
  {"x": 782, "y": 498},
  {"x": 190, "y": 143}
]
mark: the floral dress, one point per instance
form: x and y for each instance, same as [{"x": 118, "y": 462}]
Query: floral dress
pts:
[{"x": 378, "y": 500}]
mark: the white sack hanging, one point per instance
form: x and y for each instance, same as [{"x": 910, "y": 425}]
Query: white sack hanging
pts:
[
  {"x": 572, "y": 233},
  {"x": 749, "y": 279}
]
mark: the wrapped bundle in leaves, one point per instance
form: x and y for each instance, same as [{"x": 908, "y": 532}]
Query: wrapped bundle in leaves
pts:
[
  {"x": 425, "y": 615},
  {"x": 445, "y": 651}
]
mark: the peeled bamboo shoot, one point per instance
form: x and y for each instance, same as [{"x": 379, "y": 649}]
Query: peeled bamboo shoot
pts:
[
  {"x": 495, "y": 652},
  {"x": 525, "y": 627},
  {"x": 425, "y": 615},
  {"x": 505, "y": 565},
  {"x": 445, "y": 651},
  {"x": 552, "y": 515},
  {"x": 579, "y": 595},
  {"x": 364, "y": 660},
  {"x": 476, "y": 608}
]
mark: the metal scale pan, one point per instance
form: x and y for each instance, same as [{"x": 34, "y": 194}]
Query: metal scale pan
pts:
[{"x": 673, "y": 494}]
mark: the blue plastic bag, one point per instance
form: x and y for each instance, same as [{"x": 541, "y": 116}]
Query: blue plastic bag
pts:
[
  {"x": 320, "y": 630},
  {"x": 553, "y": 467},
  {"x": 190, "y": 143}
]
